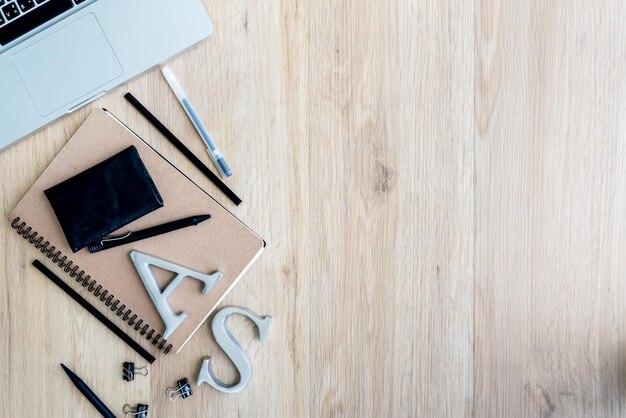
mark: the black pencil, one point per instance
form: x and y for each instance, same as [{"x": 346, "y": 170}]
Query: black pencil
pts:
[
  {"x": 106, "y": 321},
  {"x": 88, "y": 393},
  {"x": 182, "y": 148}
]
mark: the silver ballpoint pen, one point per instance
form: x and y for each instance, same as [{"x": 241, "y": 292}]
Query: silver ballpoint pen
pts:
[{"x": 215, "y": 153}]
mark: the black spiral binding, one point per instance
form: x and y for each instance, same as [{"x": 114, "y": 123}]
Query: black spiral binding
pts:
[{"x": 92, "y": 285}]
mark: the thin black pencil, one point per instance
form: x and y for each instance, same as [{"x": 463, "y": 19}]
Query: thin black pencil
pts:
[
  {"x": 182, "y": 148},
  {"x": 78, "y": 298},
  {"x": 88, "y": 393}
]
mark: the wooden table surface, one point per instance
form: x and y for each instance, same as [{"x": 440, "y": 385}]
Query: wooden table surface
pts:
[{"x": 442, "y": 185}]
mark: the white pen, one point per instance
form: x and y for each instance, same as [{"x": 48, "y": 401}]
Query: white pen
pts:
[{"x": 215, "y": 154}]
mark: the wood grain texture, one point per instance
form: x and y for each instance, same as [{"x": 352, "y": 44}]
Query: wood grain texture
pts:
[
  {"x": 550, "y": 209},
  {"x": 442, "y": 188}
]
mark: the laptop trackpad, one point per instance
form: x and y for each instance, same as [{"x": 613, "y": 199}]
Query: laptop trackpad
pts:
[{"x": 67, "y": 65}]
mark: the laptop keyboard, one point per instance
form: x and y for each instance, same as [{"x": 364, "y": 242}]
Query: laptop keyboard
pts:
[{"x": 18, "y": 17}]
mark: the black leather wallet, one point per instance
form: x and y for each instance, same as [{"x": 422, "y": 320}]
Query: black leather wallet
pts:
[{"x": 104, "y": 198}]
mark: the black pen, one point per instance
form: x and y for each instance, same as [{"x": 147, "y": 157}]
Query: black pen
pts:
[
  {"x": 91, "y": 397},
  {"x": 111, "y": 242}
]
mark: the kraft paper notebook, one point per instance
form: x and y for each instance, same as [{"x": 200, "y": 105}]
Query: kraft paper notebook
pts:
[{"x": 222, "y": 243}]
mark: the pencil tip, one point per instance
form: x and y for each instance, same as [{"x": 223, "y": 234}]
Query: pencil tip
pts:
[{"x": 201, "y": 218}]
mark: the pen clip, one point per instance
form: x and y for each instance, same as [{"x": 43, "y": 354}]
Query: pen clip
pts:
[{"x": 115, "y": 238}]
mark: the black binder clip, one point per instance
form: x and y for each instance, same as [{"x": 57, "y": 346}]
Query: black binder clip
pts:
[
  {"x": 140, "y": 412},
  {"x": 183, "y": 389},
  {"x": 129, "y": 371}
]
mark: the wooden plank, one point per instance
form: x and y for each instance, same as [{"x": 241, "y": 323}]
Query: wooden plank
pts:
[
  {"x": 550, "y": 204},
  {"x": 392, "y": 290}
]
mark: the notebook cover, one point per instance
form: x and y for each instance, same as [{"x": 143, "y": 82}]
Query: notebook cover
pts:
[{"x": 222, "y": 243}]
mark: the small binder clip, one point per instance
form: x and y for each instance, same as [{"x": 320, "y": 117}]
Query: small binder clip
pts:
[
  {"x": 140, "y": 412},
  {"x": 129, "y": 371},
  {"x": 183, "y": 389}
]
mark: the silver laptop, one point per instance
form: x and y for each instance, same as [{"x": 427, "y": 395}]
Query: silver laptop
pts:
[{"x": 59, "y": 55}]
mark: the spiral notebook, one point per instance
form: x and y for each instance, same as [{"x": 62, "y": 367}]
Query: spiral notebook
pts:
[{"x": 223, "y": 243}]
